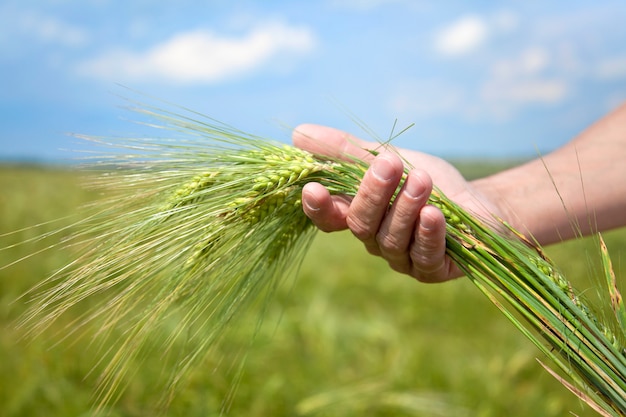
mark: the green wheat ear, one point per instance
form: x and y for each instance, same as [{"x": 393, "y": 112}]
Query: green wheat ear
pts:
[
  {"x": 197, "y": 229},
  {"x": 193, "y": 230}
]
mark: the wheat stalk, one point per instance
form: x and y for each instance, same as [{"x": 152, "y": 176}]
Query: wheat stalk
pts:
[{"x": 198, "y": 227}]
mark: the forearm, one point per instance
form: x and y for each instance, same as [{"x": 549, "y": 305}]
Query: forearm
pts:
[{"x": 579, "y": 188}]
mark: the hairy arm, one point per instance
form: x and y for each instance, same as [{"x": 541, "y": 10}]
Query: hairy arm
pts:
[{"x": 577, "y": 189}]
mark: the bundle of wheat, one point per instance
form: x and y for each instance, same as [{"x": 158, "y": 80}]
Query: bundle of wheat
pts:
[{"x": 195, "y": 229}]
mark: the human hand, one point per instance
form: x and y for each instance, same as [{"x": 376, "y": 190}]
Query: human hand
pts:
[{"x": 408, "y": 233}]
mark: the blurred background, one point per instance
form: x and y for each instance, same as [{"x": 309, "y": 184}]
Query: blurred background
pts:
[
  {"x": 501, "y": 81},
  {"x": 482, "y": 79}
]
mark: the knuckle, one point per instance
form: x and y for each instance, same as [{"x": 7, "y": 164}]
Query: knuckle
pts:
[
  {"x": 376, "y": 192},
  {"x": 377, "y": 196},
  {"x": 389, "y": 243},
  {"x": 405, "y": 215},
  {"x": 371, "y": 198},
  {"x": 362, "y": 230},
  {"x": 426, "y": 264}
]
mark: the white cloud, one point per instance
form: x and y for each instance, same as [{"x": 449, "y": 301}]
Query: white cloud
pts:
[
  {"x": 203, "y": 56},
  {"x": 462, "y": 36},
  {"x": 525, "y": 79}
]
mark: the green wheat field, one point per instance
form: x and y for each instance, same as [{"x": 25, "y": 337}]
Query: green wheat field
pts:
[{"x": 346, "y": 337}]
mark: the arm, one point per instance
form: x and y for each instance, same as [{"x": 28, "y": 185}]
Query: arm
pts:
[
  {"x": 579, "y": 188},
  {"x": 411, "y": 234}
]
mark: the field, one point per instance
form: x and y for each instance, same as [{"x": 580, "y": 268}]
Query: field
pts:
[{"x": 347, "y": 337}]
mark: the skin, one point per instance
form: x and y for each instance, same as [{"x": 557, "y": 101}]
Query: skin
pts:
[{"x": 575, "y": 190}]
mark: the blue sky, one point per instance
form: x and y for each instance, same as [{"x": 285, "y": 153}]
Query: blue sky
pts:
[{"x": 482, "y": 78}]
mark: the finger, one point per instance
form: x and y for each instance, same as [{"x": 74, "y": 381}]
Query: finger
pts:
[
  {"x": 396, "y": 232},
  {"x": 331, "y": 142},
  {"x": 428, "y": 251},
  {"x": 327, "y": 212},
  {"x": 372, "y": 199}
]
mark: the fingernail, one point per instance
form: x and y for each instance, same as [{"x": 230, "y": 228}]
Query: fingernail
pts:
[
  {"x": 382, "y": 169},
  {"x": 310, "y": 202},
  {"x": 427, "y": 224},
  {"x": 414, "y": 186}
]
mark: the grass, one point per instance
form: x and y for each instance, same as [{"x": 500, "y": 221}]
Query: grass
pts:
[{"x": 347, "y": 337}]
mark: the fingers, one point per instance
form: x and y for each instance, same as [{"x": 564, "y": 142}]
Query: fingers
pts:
[
  {"x": 405, "y": 230},
  {"x": 327, "y": 212},
  {"x": 397, "y": 229},
  {"x": 429, "y": 262},
  {"x": 371, "y": 203},
  {"x": 331, "y": 142}
]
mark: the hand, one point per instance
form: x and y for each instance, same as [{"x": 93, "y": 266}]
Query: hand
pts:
[{"x": 408, "y": 233}]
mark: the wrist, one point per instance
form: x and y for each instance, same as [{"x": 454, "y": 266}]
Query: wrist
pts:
[{"x": 498, "y": 202}]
